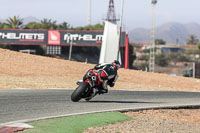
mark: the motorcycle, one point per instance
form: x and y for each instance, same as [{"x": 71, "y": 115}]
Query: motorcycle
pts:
[{"x": 89, "y": 87}]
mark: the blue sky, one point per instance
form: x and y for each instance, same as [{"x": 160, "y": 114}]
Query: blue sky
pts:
[{"x": 137, "y": 13}]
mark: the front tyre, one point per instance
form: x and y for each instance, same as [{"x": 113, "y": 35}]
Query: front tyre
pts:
[{"x": 77, "y": 94}]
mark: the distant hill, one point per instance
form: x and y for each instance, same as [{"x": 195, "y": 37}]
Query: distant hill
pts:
[
  {"x": 29, "y": 19},
  {"x": 170, "y": 32}
]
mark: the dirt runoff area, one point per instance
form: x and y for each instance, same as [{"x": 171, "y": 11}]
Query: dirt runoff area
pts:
[{"x": 21, "y": 70}]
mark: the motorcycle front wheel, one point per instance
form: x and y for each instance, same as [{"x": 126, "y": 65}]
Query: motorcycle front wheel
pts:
[{"x": 77, "y": 94}]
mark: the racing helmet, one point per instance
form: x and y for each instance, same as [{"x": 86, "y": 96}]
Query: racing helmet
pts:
[{"x": 116, "y": 64}]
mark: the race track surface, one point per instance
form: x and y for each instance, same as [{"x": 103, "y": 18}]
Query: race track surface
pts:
[{"x": 19, "y": 104}]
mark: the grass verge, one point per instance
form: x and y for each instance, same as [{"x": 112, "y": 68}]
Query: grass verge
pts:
[{"x": 76, "y": 124}]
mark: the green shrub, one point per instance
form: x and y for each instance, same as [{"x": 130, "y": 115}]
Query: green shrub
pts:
[
  {"x": 142, "y": 66},
  {"x": 161, "y": 60}
]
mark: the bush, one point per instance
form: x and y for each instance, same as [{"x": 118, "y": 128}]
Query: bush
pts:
[
  {"x": 198, "y": 46},
  {"x": 189, "y": 52},
  {"x": 160, "y": 41},
  {"x": 142, "y": 66},
  {"x": 144, "y": 57},
  {"x": 161, "y": 60},
  {"x": 132, "y": 56},
  {"x": 178, "y": 58}
]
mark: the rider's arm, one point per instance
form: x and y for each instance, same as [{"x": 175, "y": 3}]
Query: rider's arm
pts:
[{"x": 99, "y": 66}]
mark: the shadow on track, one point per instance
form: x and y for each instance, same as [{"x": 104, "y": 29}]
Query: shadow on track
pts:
[{"x": 122, "y": 102}]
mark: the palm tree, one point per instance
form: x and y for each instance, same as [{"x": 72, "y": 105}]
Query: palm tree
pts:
[
  {"x": 48, "y": 24},
  {"x": 53, "y": 25},
  {"x": 33, "y": 25},
  {"x": 45, "y": 23},
  {"x": 64, "y": 26},
  {"x": 192, "y": 39},
  {"x": 14, "y": 22}
]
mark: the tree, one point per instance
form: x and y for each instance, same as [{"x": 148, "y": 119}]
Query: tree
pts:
[
  {"x": 48, "y": 24},
  {"x": 161, "y": 60},
  {"x": 198, "y": 45},
  {"x": 177, "y": 57},
  {"x": 64, "y": 26},
  {"x": 132, "y": 56},
  {"x": 45, "y": 23},
  {"x": 53, "y": 25},
  {"x": 91, "y": 27},
  {"x": 33, "y": 25},
  {"x": 160, "y": 41},
  {"x": 14, "y": 22},
  {"x": 192, "y": 39},
  {"x": 3, "y": 25}
]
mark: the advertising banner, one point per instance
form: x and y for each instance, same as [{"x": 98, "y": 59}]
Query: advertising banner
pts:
[
  {"x": 53, "y": 37},
  {"x": 81, "y": 37},
  {"x": 85, "y": 38},
  {"x": 110, "y": 45},
  {"x": 23, "y": 37}
]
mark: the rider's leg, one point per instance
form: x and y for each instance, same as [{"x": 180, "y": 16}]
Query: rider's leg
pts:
[{"x": 104, "y": 86}]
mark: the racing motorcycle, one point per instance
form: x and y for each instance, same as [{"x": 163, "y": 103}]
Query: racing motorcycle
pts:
[{"x": 89, "y": 87}]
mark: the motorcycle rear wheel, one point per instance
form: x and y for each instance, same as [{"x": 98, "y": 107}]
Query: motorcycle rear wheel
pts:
[{"x": 77, "y": 94}]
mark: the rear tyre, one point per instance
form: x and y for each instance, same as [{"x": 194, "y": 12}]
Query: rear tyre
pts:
[{"x": 77, "y": 94}]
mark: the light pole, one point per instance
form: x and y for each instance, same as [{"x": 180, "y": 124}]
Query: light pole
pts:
[
  {"x": 122, "y": 10},
  {"x": 70, "y": 49},
  {"x": 120, "y": 29},
  {"x": 89, "y": 12},
  {"x": 152, "y": 49}
]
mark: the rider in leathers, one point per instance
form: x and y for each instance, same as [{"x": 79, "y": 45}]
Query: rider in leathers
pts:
[{"x": 108, "y": 74}]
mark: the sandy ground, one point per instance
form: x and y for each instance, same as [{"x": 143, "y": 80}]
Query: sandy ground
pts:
[{"x": 20, "y": 70}]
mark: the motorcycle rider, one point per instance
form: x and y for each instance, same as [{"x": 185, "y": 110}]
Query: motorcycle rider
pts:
[{"x": 108, "y": 74}]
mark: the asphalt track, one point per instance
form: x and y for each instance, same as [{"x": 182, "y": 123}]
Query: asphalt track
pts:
[{"x": 20, "y": 104}]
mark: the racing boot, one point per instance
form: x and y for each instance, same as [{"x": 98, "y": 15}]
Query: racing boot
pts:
[
  {"x": 104, "y": 87},
  {"x": 79, "y": 82}
]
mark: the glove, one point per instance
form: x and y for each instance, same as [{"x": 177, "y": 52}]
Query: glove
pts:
[{"x": 96, "y": 67}]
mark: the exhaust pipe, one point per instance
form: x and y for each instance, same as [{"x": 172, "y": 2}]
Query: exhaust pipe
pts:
[
  {"x": 89, "y": 74},
  {"x": 94, "y": 78}
]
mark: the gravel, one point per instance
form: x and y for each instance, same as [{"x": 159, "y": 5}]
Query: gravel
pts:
[{"x": 155, "y": 121}]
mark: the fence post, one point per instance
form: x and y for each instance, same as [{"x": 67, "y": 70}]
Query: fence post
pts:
[{"x": 193, "y": 69}]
